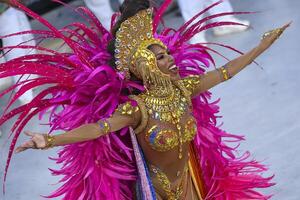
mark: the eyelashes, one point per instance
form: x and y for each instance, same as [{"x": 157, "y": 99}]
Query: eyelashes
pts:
[{"x": 161, "y": 56}]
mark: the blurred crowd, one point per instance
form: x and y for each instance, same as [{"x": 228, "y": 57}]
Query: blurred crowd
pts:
[{"x": 103, "y": 10}]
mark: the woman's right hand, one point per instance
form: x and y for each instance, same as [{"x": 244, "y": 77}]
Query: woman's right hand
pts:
[{"x": 37, "y": 141}]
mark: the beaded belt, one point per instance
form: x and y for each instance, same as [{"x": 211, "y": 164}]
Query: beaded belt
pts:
[{"x": 173, "y": 194}]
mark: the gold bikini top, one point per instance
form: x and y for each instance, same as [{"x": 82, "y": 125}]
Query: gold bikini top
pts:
[{"x": 166, "y": 139}]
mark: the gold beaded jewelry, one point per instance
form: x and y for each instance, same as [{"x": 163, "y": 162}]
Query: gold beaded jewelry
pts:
[
  {"x": 167, "y": 105},
  {"x": 50, "y": 141},
  {"x": 172, "y": 194},
  {"x": 127, "y": 109},
  {"x": 104, "y": 126},
  {"x": 278, "y": 31},
  {"x": 133, "y": 38},
  {"x": 224, "y": 72},
  {"x": 191, "y": 82}
]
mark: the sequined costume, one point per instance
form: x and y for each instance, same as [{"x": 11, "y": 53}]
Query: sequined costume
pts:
[{"x": 173, "y": 121}]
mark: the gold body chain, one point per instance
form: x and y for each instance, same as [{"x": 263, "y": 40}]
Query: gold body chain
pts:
[{"x": 172, "y": 194}]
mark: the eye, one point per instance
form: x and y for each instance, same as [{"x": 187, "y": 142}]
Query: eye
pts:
[{"x": 160, "y": 56}]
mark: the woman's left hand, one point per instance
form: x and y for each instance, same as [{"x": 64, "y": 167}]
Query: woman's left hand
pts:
[
  {"x": 270, "y": 37},
  {"x": 37, "y": 141}
]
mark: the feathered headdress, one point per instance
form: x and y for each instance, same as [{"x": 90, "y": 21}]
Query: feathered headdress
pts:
[{"x": 133, "y": 39}]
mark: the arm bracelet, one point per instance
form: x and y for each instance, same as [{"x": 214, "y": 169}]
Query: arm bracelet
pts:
[
  {"x": 50, "y": 141},
  {"x": 224, "y": 73},
  {"x": 104, "y": 126}
]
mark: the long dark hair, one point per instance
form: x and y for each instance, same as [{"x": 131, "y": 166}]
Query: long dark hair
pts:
[{"x": 128, "y": 9}]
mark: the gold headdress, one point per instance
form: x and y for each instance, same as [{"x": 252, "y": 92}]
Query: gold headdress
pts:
[{"x": 132, "y": 41}]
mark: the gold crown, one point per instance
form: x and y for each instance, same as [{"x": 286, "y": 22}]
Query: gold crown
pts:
[{"x": 133, "y": 38}]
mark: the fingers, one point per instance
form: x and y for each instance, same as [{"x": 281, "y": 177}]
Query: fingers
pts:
[
  {"x": 27, "y": 145},
  {"x": 284, "y": 27},
  {"x": 287, "y": 25},
  {"x": 20, "y": 149},
  {"x": 279, "y": 31},
  {"x": 28, "y": 133}
]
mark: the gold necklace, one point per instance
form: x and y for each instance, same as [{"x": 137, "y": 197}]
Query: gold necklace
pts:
[{"x": 167, "y": 105}]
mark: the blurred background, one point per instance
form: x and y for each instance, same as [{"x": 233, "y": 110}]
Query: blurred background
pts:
[{"x": 262, "y": 102}]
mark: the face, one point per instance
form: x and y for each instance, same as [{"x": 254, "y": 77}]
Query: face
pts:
[{"x": 165, "y": 61}]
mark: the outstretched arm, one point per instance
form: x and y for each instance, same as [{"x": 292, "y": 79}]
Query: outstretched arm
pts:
[
  {"x": 207, "y": 81},
  {"x": 125, "y": 115}
]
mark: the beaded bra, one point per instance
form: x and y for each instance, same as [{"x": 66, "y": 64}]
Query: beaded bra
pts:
[{"x": 166, "y": 139}]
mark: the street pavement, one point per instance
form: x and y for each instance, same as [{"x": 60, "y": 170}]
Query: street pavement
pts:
[{"x": 262, "y": 103}]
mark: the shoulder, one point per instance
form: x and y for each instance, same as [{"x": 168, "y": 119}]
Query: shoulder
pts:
[
  {"x": 142, "y": 112},
  {"x": 128, "y": 108}
]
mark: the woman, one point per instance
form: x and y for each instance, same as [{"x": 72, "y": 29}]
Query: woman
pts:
[{"x": 175, "y": 150}]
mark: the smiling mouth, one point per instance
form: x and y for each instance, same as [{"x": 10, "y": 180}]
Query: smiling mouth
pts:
[{"x": 173, "y": 68}]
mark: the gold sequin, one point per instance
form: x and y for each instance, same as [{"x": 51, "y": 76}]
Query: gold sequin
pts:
[
  {"x": 104, "y": 126},
  {"x": 167, "y": 139},
  {"x": 191, "y": 82},
  {"x": 127, "y": 109},
  {"x": 50, "y": 141},
  {"x": 133, "y": 38},
  {"x": 224, "y": 73}
]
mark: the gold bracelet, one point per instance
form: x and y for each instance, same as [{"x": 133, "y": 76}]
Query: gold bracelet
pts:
[
  {"x": 50, "y": 141},
  {"x": 104, "y": 126},
  {"x": 225, "y": 74}
]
